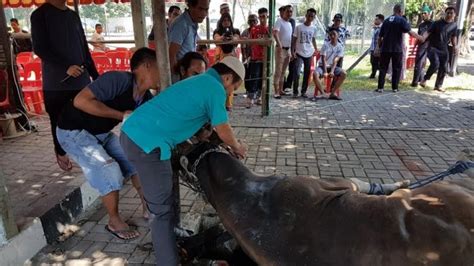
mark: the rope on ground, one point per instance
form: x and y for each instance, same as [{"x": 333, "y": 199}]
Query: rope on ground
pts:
[{"x": 458, "y": 168}]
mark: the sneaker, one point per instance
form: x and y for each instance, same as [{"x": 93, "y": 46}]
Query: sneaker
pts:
[
  {"x": 277, "y": 96},
  {"x": 371, "y": 76},
  {"x": 414, "y": 85},
  {"x": 303, "y": 95},
  {"x": 395, "y": 90},
  {"x": 334, "y": 97},
  {"x": 379, "y": 90},
  {"x": 423, "y": 83},
  {"x": 439, "y": 89}
]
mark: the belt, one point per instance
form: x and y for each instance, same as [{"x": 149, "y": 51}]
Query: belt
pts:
[{"x": 285, "y": 48}]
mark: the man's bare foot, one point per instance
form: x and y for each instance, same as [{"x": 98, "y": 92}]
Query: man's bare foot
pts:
[{"x": 64, "y": 162}]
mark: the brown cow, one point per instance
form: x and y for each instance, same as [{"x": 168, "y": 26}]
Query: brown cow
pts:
[{"x": 302, "y": 220}]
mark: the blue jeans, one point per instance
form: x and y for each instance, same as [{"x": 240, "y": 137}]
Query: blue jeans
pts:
[{"x": 101, "y": 158}]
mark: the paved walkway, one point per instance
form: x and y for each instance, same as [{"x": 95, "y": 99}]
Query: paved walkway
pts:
[{"x": 371, "y": 136}]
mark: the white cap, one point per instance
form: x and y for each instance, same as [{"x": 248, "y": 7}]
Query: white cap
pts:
[
  {"x": 224, "y": 5},
  {"x": 234, "y": 64}
]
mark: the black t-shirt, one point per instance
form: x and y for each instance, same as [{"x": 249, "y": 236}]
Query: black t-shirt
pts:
[
  {"x": 114, "y": 89},
  {"x": 424, "y": 26},
  {"x": 440, "y": 34},
  {"x": 392, "y": 32}
]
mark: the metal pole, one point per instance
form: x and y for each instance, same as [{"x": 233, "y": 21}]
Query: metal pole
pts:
[
  {"x": 208, "y": 28},
  {"x": 268, "y": 62}
]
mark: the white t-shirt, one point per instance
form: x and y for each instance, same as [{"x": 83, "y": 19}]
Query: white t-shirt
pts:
[
  {"x": 284, "y": 32},
  {"x": 330, "y": 52},
  {"x": 100, "y": 47},
  {"x": 304, "y": 40}
]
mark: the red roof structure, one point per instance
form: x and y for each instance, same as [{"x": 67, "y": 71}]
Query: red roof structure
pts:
[{"x": 30, "y": 3}]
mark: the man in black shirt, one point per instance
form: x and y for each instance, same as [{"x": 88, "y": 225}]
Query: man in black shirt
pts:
[
  {"x": 60, "y": 42},
  {"x": 85, "y": 132},
  {"x": 422, "y": 47},
  {"x": 439, "y": 35},
  {"x": 390, "y": 41}
]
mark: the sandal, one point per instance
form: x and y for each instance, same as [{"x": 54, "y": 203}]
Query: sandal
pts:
[
  {"x": 120, "y": 233},
  {"x": 63, "y": 162}
]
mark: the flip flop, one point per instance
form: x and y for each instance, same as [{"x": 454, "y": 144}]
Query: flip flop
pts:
[
  {"x": 64, "y": 164},
  {"x": 119, "y": 232}
]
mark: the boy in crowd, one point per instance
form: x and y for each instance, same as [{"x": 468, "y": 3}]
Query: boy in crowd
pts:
[
  {"x": 303, "y": 49},
  {"x": 331, "y": 53},
  {"x": 342, "y": 32},
  {"x": 255, "y": 74},
  {"x": 374, "y": 49},
  {"x": 97, "y": 39},
  {"x": 282, "y": 32},
  {"x": 21, "y": 38},
  {"x": 422, "y": 47}
]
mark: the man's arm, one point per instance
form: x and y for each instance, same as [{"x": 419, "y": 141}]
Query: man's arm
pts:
[
  {"x": 293, "y": 45},
  {"x": 277, "y": 37},
  {"x": 173, "y": 52},
  {"x": 334, "y": 64},
  {"x": 323, "y": 60},
  {"x": 454, "y": 42},
  {"x": 225, "y": 133},
  {"x": 315, "y": 45},
  {"x": 87, "y": 102}
]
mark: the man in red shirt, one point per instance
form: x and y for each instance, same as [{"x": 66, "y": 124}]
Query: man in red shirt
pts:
[{"x": 260, "y": 31}]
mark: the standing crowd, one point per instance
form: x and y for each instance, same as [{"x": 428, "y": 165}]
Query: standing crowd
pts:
[{"x": 84, "y": 107}]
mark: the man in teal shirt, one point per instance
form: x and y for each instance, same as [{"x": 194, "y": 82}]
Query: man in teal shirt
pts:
[{"x": 155, "y": 128}]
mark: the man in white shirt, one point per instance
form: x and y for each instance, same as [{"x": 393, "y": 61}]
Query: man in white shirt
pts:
[
  {"x": 331, "y": 53},
  {"x": 282, "y": 32},
  {"x": 303, "y": 49},
  {"x": 97, "y": 39}
]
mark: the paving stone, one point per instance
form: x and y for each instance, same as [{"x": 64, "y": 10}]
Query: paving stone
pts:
[{"x": 120, "y": 248}]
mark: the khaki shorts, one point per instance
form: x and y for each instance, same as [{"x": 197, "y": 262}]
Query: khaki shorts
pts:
[{"x": 282, "y": 59}]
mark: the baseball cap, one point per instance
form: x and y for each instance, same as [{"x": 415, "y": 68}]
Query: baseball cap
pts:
[
  {"x": 234, "y": 64},
  {"x": 337, "y": 16}
]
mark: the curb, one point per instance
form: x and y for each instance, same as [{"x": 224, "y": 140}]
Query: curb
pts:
[{"x": 48, "y": 227}]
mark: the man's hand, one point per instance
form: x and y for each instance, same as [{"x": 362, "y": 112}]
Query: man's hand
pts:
[
  {"x": 240, "y": 150},
  {"x": 125, "y": 115},
  {"x": 331, "y": 74},
  {"x": 75, "y": 71}
]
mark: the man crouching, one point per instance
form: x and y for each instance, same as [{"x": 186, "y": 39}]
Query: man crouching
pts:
[{"x": 84, "y": 131}]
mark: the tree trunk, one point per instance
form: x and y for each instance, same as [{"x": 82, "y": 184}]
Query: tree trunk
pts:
[{"x": 464, "y": 46}]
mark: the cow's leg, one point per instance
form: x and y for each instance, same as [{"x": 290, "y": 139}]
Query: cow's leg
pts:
[{"x": 377, "y": 188}]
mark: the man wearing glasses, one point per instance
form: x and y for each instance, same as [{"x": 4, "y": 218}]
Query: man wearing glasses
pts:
[{"x": 422, "y": 47}]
